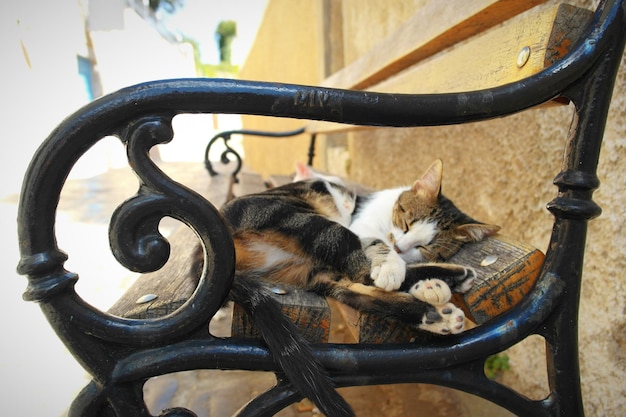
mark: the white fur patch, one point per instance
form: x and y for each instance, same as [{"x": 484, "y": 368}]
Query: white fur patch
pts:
[
  {"x": 388, "y": 271},
  {"x": 273, "y": 256},
  {"x": 374, "y": 219},
  {"x": 452, "y": 320}
]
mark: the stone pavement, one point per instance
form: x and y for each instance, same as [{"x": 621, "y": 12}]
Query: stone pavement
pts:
[
  {"x": 221, "y": 393},
  {"x": 82, "y": 228}
]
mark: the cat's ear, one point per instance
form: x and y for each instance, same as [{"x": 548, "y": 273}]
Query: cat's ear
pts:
[
  {"x": 474, "y": 232},
  {"x": 429, "y": 185},
  {"x": 303, "y": 172}
]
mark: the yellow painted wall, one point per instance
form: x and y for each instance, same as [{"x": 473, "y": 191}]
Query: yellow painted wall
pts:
[
  {"x": 499, "y": 171},
  {"x": 288, "y": 49}
]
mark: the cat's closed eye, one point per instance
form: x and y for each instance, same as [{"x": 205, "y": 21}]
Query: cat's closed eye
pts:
[{"x": 408, "y": 223}]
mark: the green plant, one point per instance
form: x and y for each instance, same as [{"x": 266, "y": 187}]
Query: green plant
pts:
[
  {"x": 496, "y": 364},
  {"x": 225, "y": 33},
  {"x": 222, "y": 70}
]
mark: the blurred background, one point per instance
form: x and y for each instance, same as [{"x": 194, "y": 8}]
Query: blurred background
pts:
[
  {"x": 60, "y": 55},
  {"x": 57, "y": 56}
]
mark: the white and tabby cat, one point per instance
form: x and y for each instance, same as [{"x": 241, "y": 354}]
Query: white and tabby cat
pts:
[
  {"x": 422, "y": 226},
  {"x": 297, "y": 234}
]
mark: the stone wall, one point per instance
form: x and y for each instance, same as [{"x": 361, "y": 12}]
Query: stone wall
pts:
[
  {"x": 499, "y": 171},
  {"x": 288, "y": 49}
]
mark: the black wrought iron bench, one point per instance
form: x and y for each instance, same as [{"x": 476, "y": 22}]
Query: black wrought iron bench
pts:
[{"x": 122, "y": 353}]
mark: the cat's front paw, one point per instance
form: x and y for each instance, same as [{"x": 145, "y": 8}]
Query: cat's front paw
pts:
[
  {"x": 389, "y": 272},
  {"x": 432, "y": 291},
  {"x": 388, "y": 269},
  {"x": 444, "y": 319}
]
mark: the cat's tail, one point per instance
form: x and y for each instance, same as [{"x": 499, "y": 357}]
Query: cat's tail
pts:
[{"x": 289, "y": 349}]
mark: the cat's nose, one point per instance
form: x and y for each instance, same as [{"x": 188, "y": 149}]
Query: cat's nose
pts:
[{"x": 396, "y": 248}]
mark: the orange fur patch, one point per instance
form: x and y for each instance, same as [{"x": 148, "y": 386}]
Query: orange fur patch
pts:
[{"x": 273, "y": 255}]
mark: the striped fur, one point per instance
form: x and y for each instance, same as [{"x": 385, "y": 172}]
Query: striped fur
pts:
[{"x": 295, "y": 234}]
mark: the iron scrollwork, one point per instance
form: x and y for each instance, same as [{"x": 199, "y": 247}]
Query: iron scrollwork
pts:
[
  {"x": 97, "y": 339},
  {"x": 121, "y": 354},
  {"x": 226, "y": 136}
]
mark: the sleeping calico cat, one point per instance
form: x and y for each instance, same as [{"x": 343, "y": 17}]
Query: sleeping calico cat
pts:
[
  {"x": 423, "y": 227},
  {"x": 297, "y": 234}
]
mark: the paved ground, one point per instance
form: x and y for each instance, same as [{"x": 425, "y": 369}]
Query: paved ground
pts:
[
  {"x": 219, "y": 393},
  {"x": 43, "y": 378}
]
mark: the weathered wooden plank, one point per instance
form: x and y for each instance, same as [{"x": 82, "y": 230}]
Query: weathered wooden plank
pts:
[
  {"x": 548, "y": 32},
  {"x": 506, "y": 270},
  {"x": 434, "y": 27},
  {"x": 497, "y": 57},
  {"x": 366, "y": 328},
  {"x": 309, "y": 311},
  {"x": 249, "y": 183},
  {"x": 172, "y": 285}
]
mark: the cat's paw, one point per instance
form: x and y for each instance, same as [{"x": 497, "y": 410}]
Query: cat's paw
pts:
[
  {"x": 388, "y": 273},
  {"x": 444, "y": 319},
  {"x": 388, "y": 269},
  {"x": 465, "y": 280},
  {"x": 432, "y": 291},
  {"x": 458, "y": 277}
]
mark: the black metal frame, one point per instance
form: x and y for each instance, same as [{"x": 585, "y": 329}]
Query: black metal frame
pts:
[
  {"x": 225, "y": 136},
  {"x": 121, "y": 354}
]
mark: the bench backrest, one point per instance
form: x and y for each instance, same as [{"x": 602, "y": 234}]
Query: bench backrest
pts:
[{"x": 492, "y": 41}]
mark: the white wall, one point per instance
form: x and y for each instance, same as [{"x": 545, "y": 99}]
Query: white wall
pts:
[
  {"x": 137, "y": 54},
  {"x": 40, "y": 86},
  {"x": 39, "y": 43}
]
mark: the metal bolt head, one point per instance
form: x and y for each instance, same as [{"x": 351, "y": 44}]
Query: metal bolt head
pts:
[
  {"x": 522, "y": 56},
  {"x": 146, "y": 298},
  {"x": 279, "y": 290},
  {"x": 488, "y": 260}
]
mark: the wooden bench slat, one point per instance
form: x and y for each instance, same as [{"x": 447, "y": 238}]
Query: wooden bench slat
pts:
[
  {"x": 448, "y": 22},
  {"x": 249, "y": 183},
  {"x": 549, "y": 31},
  {"x": 172, "y": 285},
  {"x": 309, "y": 311},
  {"x": 506, "y": 270}
]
